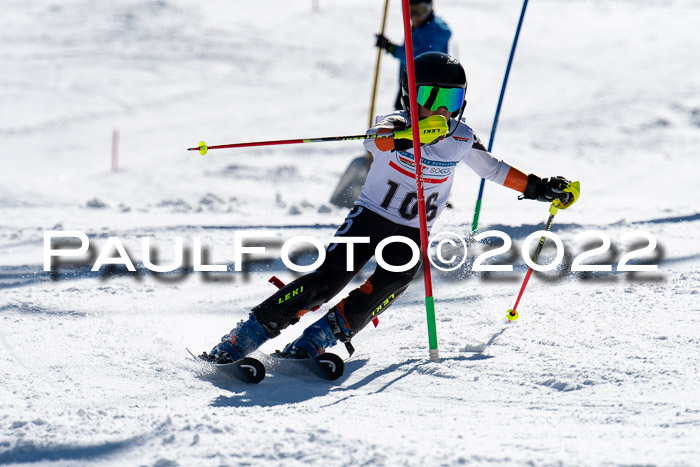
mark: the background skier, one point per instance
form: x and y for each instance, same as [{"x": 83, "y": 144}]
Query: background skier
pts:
[
  {"x": 386, "y": 207},
  {"x": 429, "y": 33}
]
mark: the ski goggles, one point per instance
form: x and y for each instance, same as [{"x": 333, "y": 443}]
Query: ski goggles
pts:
[
  {"x": 434, "y": 97},
  {"x": 420, "y": 9}
]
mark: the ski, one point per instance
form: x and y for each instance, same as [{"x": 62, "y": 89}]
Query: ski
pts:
[
  {"x": 247, "y": 369},
  {"x": 328, "y": 366}
]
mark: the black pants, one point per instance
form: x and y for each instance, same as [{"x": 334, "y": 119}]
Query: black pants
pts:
[{"x": 362, "y": 304}]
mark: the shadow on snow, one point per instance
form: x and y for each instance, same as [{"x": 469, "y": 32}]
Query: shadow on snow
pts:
[
  {"x": 30, "y": 452},
  {"x": 280, "y": 389}
]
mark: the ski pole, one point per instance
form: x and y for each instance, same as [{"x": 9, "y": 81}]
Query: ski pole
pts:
[
  {"x": 575, "y": 189},
  {"x": 376, "y": 69},
  {"x": 429, "y": 129},
  {"x": 477, "y": 209},
  {"x": 512, "y": 314}
]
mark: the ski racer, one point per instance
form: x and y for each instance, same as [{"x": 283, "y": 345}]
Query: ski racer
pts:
[
  {"x": 429, "y": 33},
  {"x": 386, "y": 207}
]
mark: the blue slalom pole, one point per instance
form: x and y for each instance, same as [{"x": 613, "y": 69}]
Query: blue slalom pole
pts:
[{"x": 477, "y": 209}]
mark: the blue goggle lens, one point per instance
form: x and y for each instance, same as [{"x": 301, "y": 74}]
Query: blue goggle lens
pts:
[{"x": 434, "y": 97}]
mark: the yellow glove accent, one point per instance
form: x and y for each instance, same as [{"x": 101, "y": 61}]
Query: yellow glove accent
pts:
[
  {"x": 430, "y": 129},
  {"x": 575, "y": 189}
]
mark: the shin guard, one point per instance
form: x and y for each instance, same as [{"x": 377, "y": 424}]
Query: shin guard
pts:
[
  {"x": 291, "y": 302},
  {"x": 371, "y": 299}
]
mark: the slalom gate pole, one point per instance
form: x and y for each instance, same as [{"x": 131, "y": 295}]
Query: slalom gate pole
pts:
[
  {"x": 429, "y": 129},
  {"x": 410, "y": 72},
  {"x": 477, "y": 209},
  {"x": 512, "y": 314}
]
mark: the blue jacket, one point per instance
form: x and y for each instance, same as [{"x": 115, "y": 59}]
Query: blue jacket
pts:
[{"x": 429, "y": 37}]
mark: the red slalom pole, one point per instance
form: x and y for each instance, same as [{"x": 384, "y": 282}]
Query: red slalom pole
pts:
[{"x": 411, "y": 74}]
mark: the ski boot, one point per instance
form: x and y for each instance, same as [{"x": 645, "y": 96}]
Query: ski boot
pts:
[
  {"x": 241, "y": 341},
  {"x": 316, "y": 338}
]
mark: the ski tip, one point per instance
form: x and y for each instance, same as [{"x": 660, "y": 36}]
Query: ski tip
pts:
[{"x": 191, "y": 354}]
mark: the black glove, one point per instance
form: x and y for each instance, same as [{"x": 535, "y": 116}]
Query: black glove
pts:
[
  {"x": 547, "y": 189},
  {"x": 403, "y": 144},
  {"x": 384, "y": 43}
]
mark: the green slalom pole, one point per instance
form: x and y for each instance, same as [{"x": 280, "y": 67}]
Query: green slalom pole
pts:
[
  {"x": 432, "y": 329},
  {"x": 410, "y": 72}
]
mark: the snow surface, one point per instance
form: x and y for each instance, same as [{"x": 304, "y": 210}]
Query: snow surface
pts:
[{"x": 600, "y": 369}]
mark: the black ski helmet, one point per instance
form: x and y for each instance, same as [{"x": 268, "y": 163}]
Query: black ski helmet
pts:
[{"x": 435, "y": 69}]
